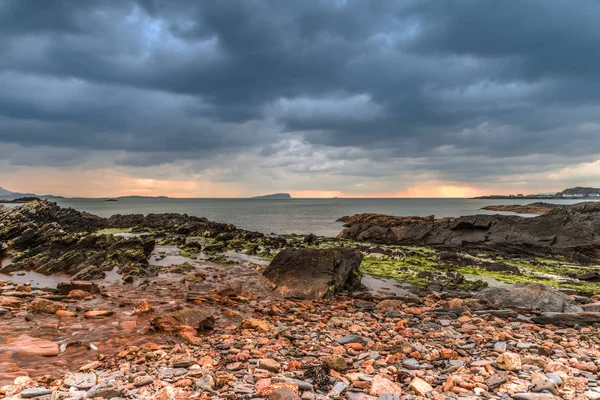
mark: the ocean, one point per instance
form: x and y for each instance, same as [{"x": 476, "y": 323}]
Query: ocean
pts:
[{"x": 301, "y": 216}]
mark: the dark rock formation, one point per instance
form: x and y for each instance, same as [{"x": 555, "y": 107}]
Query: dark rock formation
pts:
[
  {"x": 313, "y": 273},
  {"x": 49, "y": 239},
  {"x": 561, "y": 228},
  {"x": 570, "y": 318},
  {"x": 533, "y": 208},
  {"x": 533, "y": 296}
]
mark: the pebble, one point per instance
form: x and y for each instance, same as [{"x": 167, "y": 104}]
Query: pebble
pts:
[{"x": 35, "y": 392}]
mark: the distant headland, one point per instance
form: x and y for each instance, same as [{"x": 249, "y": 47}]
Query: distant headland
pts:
[
  {"x": 572, "y": 193},
  {"x": 274, "y": 196}
]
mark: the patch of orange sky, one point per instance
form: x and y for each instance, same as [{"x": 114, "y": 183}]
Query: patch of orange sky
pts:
[{"x": 110, "y": 183}]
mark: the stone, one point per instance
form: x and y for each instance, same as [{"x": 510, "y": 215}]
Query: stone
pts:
[
  {"x": 195, "y": 318},
  {"x": 98, "y": 314},
  {"x": 143, "y": 380},
  {"x": 541, "y": 384},
  {"x": 30, "y": 346},
  {"x": 347, "y": 339},
  {"x": 283, "y": 394},
  {"x": 335, "y": 362},
  {"x": 47, "y": 306},
  {"x": 205, "y": 382},
  {"x": 269, "y": 364},
  {"x": 35, "y": 392},
  {"x": 381, "y": 385},
  {"x": 143, "y": 307},
  {"x": 65, "y": 314},
  {"x": 532, "y": 396},
  {"x": 66, "y": 287},
  {"x": 107, "y": 389},
  {"x": 569, "y": 318},
  {"x": 591, "y": 395},
  {"x": 314, "y": 273},
  {"x": 555, "y": 378},
  {"x": 532, "y": 296},
  {"x": 81, "y": 380},
  {"x": 509, "y": 362},
  {"x": 419, "y": 387},
  {"x": 78, "y": 294}
]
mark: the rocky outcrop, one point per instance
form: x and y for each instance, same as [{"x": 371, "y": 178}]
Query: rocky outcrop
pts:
[
  {"x": 181, "y": 224},
  {"x": 49, "y": 239},
  {"x": 561, "y": 228},
  {"x": 533, "y": 296},
  {"x": 314, "y": 273},
  {"x": 533, "y": 208}
]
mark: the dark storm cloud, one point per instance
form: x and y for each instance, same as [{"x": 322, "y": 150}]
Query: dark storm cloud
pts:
[{"x": 162, "y": 81}]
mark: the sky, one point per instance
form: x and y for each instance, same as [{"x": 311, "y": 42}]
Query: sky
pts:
[{"x": 225, "y": 98}]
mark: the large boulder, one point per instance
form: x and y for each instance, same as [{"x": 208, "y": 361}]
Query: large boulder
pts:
[
  {"x": 314, "y": 273},
  {"x": 533, "y": 296}
]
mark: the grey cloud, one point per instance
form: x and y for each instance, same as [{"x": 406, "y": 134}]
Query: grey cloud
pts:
[{"x": 443, "y": 83}]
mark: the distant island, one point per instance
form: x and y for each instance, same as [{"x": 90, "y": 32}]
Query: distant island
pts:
[
  {"x": 274, "y": 196},
  {"x": 572, "y": 193},
  {"x": 20, "y": 200},
  {"x": 8, "y": 195},
  {"x": 140, "y": 197}
]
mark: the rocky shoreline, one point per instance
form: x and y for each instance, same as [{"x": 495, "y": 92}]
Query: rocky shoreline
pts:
[{"x": 201, "y": 309}]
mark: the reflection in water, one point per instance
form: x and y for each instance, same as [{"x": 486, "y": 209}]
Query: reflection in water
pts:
[
  {"x": 387, "y": 287},
  {"x": 37, "y": 280}
]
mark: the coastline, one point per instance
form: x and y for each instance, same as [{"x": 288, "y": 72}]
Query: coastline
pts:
[{"x": 166, "y": 264}]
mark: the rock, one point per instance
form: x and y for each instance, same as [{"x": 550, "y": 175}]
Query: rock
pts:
[
  {"x": 509, "y": 362},
  {"x": 562, "y": 227},
  {"x": 591, "y": 395},
  {"x": 381, "y": 385},
  {"x": 541, "y": 384},
  {"x": 47, "y": 306},
  {"x": 232, "y": 289},
  {"x": 256, "y": 324},
  {"x": 283, "y": 394},
  {"x": 532, "y": 296},
  {"x": 347, "y": 339},
  {"x": 591, "y": 307},
  {"x": 78, "y": 294},
  {"x": 269, "y": 364},
  {"x": 81, "y": 380},
  {"x": 555, "y": 378},
  {"x": 35, "y": 392},
  {"x": 337, "y": 390},
  {"x": 65, "y": 314},
  {"x": 419, "y": 387},
  {"x": 67, "y": 287},
  {"x": 570, "y": 318},
  {"x": 335, "y": 362},
  {"x": 205, "y": 382},
  {"x": 3, "y": 311},
  {"x": 195, "y": 318},
  {"x": 532, "y": 396},
  {"x": 143, "y": 307},
  {"x": 98, "y": 314},
  {"x": 143, "y": 380},
  {"x": 30, "y": 346},
  {"x": 314, "y": 273},
  {"x": 106, "y": 389}
]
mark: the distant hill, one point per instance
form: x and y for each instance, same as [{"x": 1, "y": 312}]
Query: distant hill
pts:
[
  {"x": 576, "y": 192},
  {"x": 8, "y": 195},
  {"x": 580, "y": 192},
  {"x": 274, "y": 196}
]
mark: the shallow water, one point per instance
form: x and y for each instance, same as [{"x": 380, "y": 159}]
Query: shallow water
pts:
[
  {"x": 300, "y": 216},
  {"x": 36, "y": 279}
]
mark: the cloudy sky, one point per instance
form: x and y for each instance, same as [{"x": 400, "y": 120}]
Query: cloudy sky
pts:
[{"x": 316, "y": 98}]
